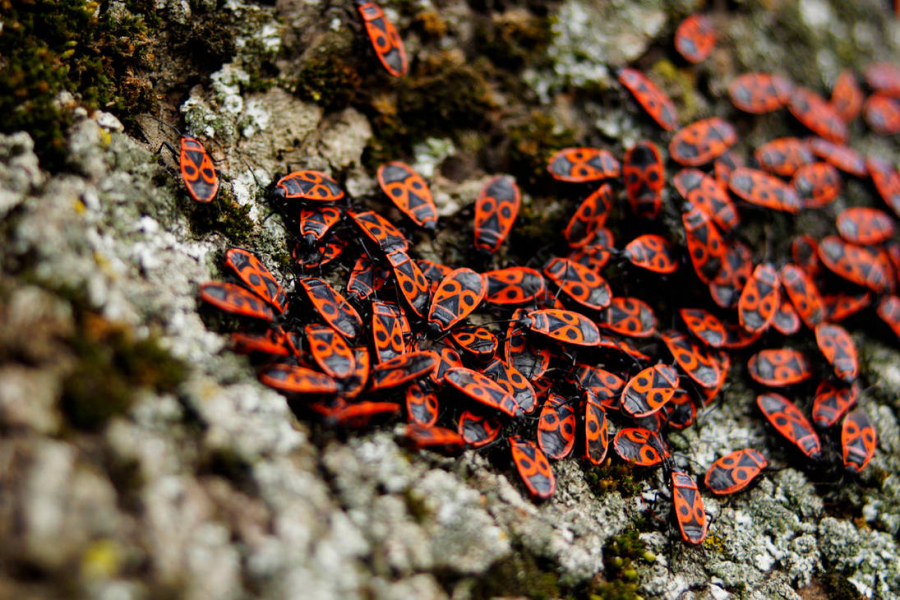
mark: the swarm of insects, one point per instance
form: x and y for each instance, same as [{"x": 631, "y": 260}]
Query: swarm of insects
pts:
[{"x": 552, "y": 362}]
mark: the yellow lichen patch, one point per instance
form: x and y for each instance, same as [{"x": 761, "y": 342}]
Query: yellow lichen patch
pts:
[{"x": 101, "y": 560}]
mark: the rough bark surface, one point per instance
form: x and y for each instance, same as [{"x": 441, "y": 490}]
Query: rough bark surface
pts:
[{"x": 140, "y": 457}]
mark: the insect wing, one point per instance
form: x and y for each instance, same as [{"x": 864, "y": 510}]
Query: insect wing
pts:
[
  {"x": 556, "y": 427},
  {"x": 461, "y": 291},
  {"x": 482, "y": 389},
  {"x": 496, "y": 209},
  {"x": 380, "y": 230},
  {"x": 817, "y": 115},
  {"x": 779, "y": 368},
  {"x": 514, "y": 383},
  {"x": 839, "y": 306},
  {"x": 644, "y": 176},
  {"x": 856, "y": 264},
  {"x": 402, "y": 369},
  {"x": 629, "y": 316},
  {"x": 332, "y": 307},
  {"x": 831, "y": 402},
  {"x": 863, "y": 225},
  {"x": 421, "y": 405},
  {"x": 411, "y": 281},
  {"x": 579, "y": 283},
  {"x": 447, "y": 359},
  {"x": 354, "y": 385},
  {"x": 596, "y": 433},
  {"x": 839, "y": 350},
  {"x": 255, "y": 274},
  {"x": 889, "y": 311},
  {"x": 478, "y": 430},
  {"x": 760, "y": 299},
  {"x": 817, "y": 184},
  {"x": 292, "y": 379},
  {"x": 759, "y": 93},
  {"x": 315, "y": 222},
  {"x": 435, "y": 438},
  {"x": 702, "y": 141},
  {"x": 734, "y": 472},
  {"x": 887, "y": 182},
  {"x": 705, "y": 326},
  {"x": 844, "y": 158},
  {"x": 639, "y": 446},
  {"x": 882, "y": 114},
  {"x": 694, "y": 360},
  {"x": 846, "y": 96},
  {"x": 883, "y": 77},
  {"x": 513, "y": 285},
  {"x": 564, "y": 325},
  {"x": 533, "y": 467},
  {"x": 330, "y": 351},
  {"x": 790, "y": 423},
  {"x": 308, "y": 185},
  {"x": 521, "y": 353},
  {"x": 689, "y": 510},
  {"x": 803, "y": 293},
  {"x": 197, "y": 171},
  {"x": 651, "y": 98},
  {"x": 649, "y": 390},
  {"x": 589, "y": 217},
  {"x": 858, "y": 440},
  {"x": 705, "y": 193},
  {"x": 273, "y": 341},
  {"x": 695, "y": 38},
  {"x": 786, "y": 320},
  {"x": 236, "y": 300},
  {"x": 477, "y": 342},
  {"x": 762, "y": 189},
  {"x": 706, "y": 247},
  {"x": 651, "y": 252},
  {"x": 388, "y": 330},
  {"x": 363, "y": 278},
  {"x": 385, "y": 40},
  {"x": 409, "y": 192},
  {"x": 783, "y": 156}
]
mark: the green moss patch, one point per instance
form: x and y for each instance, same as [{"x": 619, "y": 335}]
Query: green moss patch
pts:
[
  {"x": 51, "y": 46},
  {"x": 223, "y": 215},
  {"x": 523, "y": 575},
  {"x": 532, "y": 142},
  {"x": 445, "y": 94},
  {"x": 619, "y": 580},
  {"x": 515, "y": 38},
  {"x": 612, "y": 476},
  {"x": 329, "y": 77},
  {"x": 111, "y": 367}
]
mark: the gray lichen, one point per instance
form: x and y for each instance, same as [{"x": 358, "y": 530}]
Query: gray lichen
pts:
[{"x": 192, "y": 480}]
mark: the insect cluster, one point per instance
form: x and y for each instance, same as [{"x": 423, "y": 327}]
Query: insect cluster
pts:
[{"x": 476, "y": 359}]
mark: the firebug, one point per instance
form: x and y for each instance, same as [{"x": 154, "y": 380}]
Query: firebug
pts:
[
  {"x": 650, "y": 97},
  {"x": 735, "y": 471},
  {"x": 858, "y": 440},
  {"x": 695, "y": 38},
  {"x": 533, "y": 467},
  {"x": 495, "y": 210},
  {"x": 642, "y": 169},
  {"x": 702, "y": 141},
  {"x": 409, "y": 192},
  {"x": 779, "y": 368},
  {"x": 384, "y": 37},
  {"x": 582, "y": 165},
  {"x": 790, "y": 423}
]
